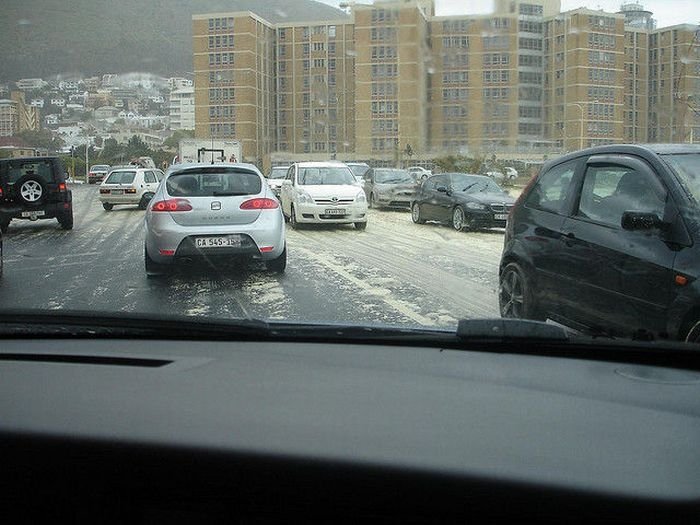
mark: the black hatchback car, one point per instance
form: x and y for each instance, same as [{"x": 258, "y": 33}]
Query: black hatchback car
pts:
[
  {"x": 607, "y": 240},
  {"x": 466, "y": 201},
  {"x": 34, "y": 188}
]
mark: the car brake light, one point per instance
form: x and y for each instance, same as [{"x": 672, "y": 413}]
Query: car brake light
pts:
[
  {"x": 265, "y": 249},
  {"x": 167, "y": 252},
  {"x": 260, "y": 204},
  {"x": 130, "y": 190},
  {"x": 62, "y": 186},
  {"x": 0, "y": 192},
  {"x": 172, "y": 205}
]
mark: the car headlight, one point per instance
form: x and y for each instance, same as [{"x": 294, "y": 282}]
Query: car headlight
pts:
[
  {"x": 475, "y": 206},
  {"x": 361, "y": 197},
  {"x": 305, "y": 198}
]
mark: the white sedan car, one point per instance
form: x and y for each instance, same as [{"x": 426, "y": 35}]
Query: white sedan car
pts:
[
  {"x": 323, "y": 192},
  {"x": 204, "y": 213}
]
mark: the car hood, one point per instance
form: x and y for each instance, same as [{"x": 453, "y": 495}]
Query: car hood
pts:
[
  {"x": 486, "y": 198},
  {"x": 327, "y": 190},
  {"x": 404, "y": 186}
]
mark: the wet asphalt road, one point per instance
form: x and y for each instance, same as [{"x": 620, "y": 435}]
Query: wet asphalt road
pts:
[{"x": 395, "y": 272}]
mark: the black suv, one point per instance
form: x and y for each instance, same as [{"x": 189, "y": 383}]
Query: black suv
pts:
[
  {"x": 34, "y": 188},
  {"x": 607, "y": 240}
]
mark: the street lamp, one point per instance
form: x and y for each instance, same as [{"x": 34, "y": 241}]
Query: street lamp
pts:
[{"x": 580, "y": 107}]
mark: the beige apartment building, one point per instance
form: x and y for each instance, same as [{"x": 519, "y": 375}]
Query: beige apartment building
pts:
[{"x": 392, "y": 79}]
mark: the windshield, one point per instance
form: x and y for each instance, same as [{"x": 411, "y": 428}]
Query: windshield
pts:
[
  {"x": 324, "y": 176},
  {"x": 484, "y": 116},
  {"x": 120, "y": 177},
  {"x": 279, "y": 173},
  {"x": 393, "y": 177},
  {"x": 358, "y": 170},
  {"x": 687, "y": 168},
  {"x": 210, "y": 182},
  {"x": 474, "y": 184}
]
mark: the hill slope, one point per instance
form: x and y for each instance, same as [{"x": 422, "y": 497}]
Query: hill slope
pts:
[{"x": 47, "y": 37}]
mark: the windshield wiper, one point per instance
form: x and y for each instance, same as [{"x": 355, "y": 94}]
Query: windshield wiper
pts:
[{"x": 470, "y": 186}]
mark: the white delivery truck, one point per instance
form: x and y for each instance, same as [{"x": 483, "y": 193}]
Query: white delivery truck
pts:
[{"x": 209, "y": 151}]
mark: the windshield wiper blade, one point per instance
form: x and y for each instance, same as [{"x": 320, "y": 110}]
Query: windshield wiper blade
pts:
[
  {"x": 508, "y": 329},
  {"x": 470, "y": 186}
]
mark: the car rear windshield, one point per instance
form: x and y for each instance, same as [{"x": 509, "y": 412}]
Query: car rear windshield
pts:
[
  {"x": 687, "y": 167},
  {"x": 40, "y": 169},
  {"x": 278, "y": 173},
  {"x": 325, "y": 176},
  {"x": 213, "y": 182},
  {"x": 99, "y": 167},
  {"x": 121, "y": 177},
  {"x": 393, "y": 177}
]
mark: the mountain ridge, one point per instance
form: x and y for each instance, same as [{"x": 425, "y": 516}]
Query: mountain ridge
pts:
[{"x": 41, "y": 38}]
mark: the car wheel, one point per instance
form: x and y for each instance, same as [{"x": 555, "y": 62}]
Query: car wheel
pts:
[
  {"x": 361, "y": 225},
  {"x": 293, "y": 218},
  {"x": 279, "y": 264},
  {"x": 515, "y": 295},
  {"x": 30, "y": 190},
  {"x": 145, "y": 199},
  {"x": 416, "y": 214},
  {"x": 66, "y": 220},
  {"x": 4, "y": 225},
  {"x": 107, "y": 206},
  {"x": 458, "y": 221},
  {"x": 693, "y": 335},
  {"x": 153, "y": 269}
]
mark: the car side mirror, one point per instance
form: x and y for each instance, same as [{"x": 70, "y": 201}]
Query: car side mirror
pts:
[
  {"x": 442, "y": 189},
  {"x": 639, "y": 220}
]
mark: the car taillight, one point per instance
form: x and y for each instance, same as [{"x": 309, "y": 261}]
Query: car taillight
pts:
[
  {"x": 260, "y": 204},
  {"x": 130, "y": 190},
  {"x": 62, "y": 186},
  {"x": 103, "y": 191},
  {"x": 172, "y": 205}
]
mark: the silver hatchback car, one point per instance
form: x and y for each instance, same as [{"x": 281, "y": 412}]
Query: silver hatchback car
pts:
[{"x": 213, "y": 213}]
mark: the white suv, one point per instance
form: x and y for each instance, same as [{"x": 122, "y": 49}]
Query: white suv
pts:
[
  {"x": 129, "y": 185},
  {"x": 323, "y": 192}
]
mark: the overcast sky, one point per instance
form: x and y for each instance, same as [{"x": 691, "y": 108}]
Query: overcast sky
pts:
[{"x": 666, "y": 12}]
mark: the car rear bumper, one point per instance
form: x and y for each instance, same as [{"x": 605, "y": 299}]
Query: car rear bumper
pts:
[
  {"x": 49, "y": 210},
  {"x": 130, "y": 198},
  {"x": 168, "y": 242}
]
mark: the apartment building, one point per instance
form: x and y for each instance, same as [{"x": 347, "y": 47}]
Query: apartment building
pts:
[
  {"x": 393, "y": 79},
  {"x": 181, "y": 108},
  {"x": 8, "y": 118}
]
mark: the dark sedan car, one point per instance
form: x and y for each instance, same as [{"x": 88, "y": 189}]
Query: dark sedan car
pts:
[
  {"x": 606, "y": 240},
  {"x": 466, "y": 201},
  {"x": 389, "y": 188}
]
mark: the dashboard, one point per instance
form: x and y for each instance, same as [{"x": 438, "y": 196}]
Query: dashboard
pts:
[{"x": 121, "y": 430}]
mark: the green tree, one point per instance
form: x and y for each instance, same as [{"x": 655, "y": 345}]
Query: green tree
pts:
[
  {"x": 173, "y": 141},
  {"x": 42, "y": 138}
]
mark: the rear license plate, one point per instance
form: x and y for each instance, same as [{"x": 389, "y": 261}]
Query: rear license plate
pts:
[
  {"x": 31, "y": 214},
  {"x": 117, "y": 192},
  {"x": 335, "y": 211},
  {"x": 230, "y": 241},
  {"x": 501, "y": 216}
]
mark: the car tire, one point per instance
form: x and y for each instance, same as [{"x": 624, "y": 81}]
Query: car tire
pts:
[
  {"x": 293, "y": 218},
  {"x": 459, "y": 220},
  {"x": 145, "y": 199},
  {"x": 153, "y": 269},
  {"x": 416, "y": 215},
  {"x": 515, "y": 298},
  {"x": 693, "y": 334},
  {"x": 30, "y": 189},
  {"x": 4, "y": 225},
  {"x": 107, "y": 206},
  {"x": 279, "y": 264},
  {"x": 66, "y": 220},
  {"x": 361, "y": 225}
]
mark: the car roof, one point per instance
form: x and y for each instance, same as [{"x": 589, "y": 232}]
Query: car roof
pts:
[
  {"x": 321, "y": 164},
  {"x": 644, "y": 150},
  {"x": 193, "y": 165}
]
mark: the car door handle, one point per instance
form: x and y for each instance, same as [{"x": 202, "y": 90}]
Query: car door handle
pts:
[{"x": 569, "y": 239}]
